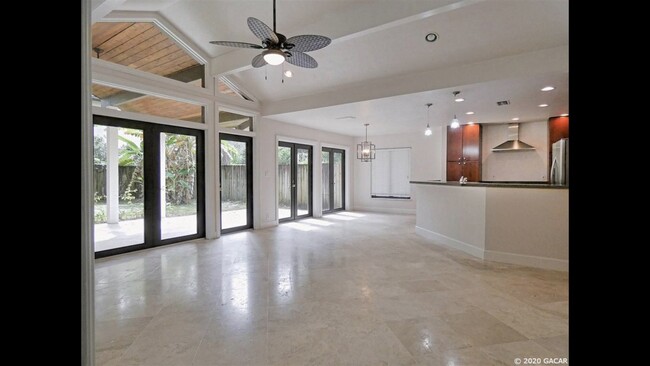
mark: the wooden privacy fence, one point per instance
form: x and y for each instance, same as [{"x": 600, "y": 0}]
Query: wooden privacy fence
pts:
[
  {"x": 233, "y": 182},
  {"x": 124, "y": 172},
  {"x": 284, "y": 185}
]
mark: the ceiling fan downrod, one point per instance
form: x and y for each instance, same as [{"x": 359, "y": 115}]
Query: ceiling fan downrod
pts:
[{"x": 274, "y": 31}]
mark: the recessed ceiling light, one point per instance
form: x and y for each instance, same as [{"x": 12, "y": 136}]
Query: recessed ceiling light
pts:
[
  {"x": 548, "y": 88},
  {"x": 564, "y": 115},
  {"x": 288, "y": 73},
  {"x": 543, "y": 105},
  {"x": 459, "y": 100},
  {"x": 470, "y": 113},
  {"x": 431, "y": 37},
  {"x": 516, "y": 119}
]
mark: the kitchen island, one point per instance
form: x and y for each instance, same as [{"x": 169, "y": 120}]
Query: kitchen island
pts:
[{"x": 520, "y": 223}]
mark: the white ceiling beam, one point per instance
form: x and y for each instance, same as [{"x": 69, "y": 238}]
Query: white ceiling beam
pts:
[
  {"x": 107, "y": 6},
  {"x": 547, "y": 61},
  {"x": 361, "y": 21}
]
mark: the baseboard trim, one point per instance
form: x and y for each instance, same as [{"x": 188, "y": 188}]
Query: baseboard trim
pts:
[
  {"x": 407, "y": 211},
  {"x": 450, "y": 242},
  {"x": 495, "y": 256},
  {"x": 528, "y": 260}
]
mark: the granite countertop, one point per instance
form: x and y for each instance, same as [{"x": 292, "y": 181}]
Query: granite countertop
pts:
[{"x": 492, "y": 184}]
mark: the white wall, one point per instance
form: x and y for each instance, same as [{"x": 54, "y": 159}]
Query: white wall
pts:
[
  {"x": 528, "y": 226},
  {"x": 268, "y": 133},
  {"x": 515, "y": 165},
  {"x": 452, "y": 216},
  {"x": 427, "y": 153}
]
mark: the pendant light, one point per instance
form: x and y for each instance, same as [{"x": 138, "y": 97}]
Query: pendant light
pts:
[
  {"x": 428, "y": 132},
  {"x": 366, "y": 149},
  {"x": 454, "y": 122}
]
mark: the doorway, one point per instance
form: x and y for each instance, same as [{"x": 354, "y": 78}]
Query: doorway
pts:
[
  {"x": 149, "y": 185},
  {"x": 333, "y": 168},
  {"x": 236, "y": 182},
  {"x": 294, "y": 181}
]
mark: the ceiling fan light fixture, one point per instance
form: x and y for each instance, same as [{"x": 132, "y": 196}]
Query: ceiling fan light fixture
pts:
[{"x": 273, "y": 57}]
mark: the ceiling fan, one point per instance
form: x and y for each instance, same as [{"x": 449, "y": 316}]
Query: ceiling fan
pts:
[{"x": 279, "y": 48}]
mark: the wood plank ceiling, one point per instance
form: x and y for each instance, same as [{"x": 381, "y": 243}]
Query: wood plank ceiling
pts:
[{"x": 143, "y": 46}]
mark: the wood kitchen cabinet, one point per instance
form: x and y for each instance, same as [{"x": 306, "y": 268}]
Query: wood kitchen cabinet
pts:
[{"x": 464, "y": 153}]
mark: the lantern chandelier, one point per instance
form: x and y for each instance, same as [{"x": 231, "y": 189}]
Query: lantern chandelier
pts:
[{"x": 366, "y": 149}]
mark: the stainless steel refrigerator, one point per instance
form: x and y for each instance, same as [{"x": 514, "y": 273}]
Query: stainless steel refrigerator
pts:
[{"x": 560, "y": 162}]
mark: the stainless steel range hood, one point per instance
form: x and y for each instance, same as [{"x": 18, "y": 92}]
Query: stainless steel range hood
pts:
[{"x": 513, "y": 143}]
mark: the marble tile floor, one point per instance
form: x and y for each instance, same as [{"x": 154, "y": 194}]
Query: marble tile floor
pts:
[{"x": 351, "y": 288}]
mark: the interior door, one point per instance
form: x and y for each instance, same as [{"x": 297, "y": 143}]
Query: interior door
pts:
[
  {"x": 294, "y": 181},
  {"x": 236, "y": 182}
]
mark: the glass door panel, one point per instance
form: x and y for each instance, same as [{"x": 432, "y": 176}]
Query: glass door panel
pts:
[
  {"x": 119, "y": 187},
  {"x": 294, "y": 181},
  {"x": 285, "y": 196},
  {"x": 338, "y": 182},
  {"x": 149, "y": 185},
  {"x": 303, "y": 181},
  {"x": 333, "y": 179},
  {"x": 236, "y": 182},
  {"x": 178, "y": 178},
  {"x": 325, "y": 159}
]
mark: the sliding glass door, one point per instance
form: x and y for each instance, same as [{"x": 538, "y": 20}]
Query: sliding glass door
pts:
[
  {"x": 333, "y": 174},
  {"x": 294, "y": 181},
  {"x": 148, "y": 185},
  {"x": 236, "y": 182}
]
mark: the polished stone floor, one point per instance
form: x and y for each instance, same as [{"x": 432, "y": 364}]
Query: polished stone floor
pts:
[{"x": 352, "y": 288}]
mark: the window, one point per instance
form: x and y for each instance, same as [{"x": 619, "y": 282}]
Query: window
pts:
[
  {"x": 235, "y": 121},
  {"x": 391, "y": 171},
  {"x": 124, "y": 100}
]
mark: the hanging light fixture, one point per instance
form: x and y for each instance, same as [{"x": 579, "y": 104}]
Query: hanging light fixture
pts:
[
  {"x": 428, "y": 132},
  {"x": 454, "y": 122},
  {"x": 366, "y": 149}
]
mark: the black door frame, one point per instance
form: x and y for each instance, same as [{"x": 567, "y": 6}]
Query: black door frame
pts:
[
  {"x": 151, "y": 161},
  {"x": 249, "y": 181},
  {"x": 294, "y": 191},
  {"x": 330, "y": 151}
]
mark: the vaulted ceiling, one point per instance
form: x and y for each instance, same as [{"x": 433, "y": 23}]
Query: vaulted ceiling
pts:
[{"x": 379, "y": 57}]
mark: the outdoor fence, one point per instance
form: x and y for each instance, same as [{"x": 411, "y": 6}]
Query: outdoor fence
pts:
[
  {"x": 233, "y": 182},
  {"x": 124, "y": 173}
]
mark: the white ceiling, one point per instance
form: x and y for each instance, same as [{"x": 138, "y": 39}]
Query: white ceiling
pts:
[
  {"x": 383, "y": 39},
  {"x": 469, "y": 34},
  {"x": 408, "y": 113}
]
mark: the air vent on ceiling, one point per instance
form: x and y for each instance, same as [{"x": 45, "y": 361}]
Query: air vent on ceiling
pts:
[
  {"x": 346, "y": 117},
  {"x": 503, "y": 102}
]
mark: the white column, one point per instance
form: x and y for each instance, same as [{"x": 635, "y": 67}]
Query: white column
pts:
[
  {"x": 163, "y": 172},
  {"x": 87, "y": 247},
  {"x": 112, "y": 177},
  {"x": 211, "y": 171}
]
